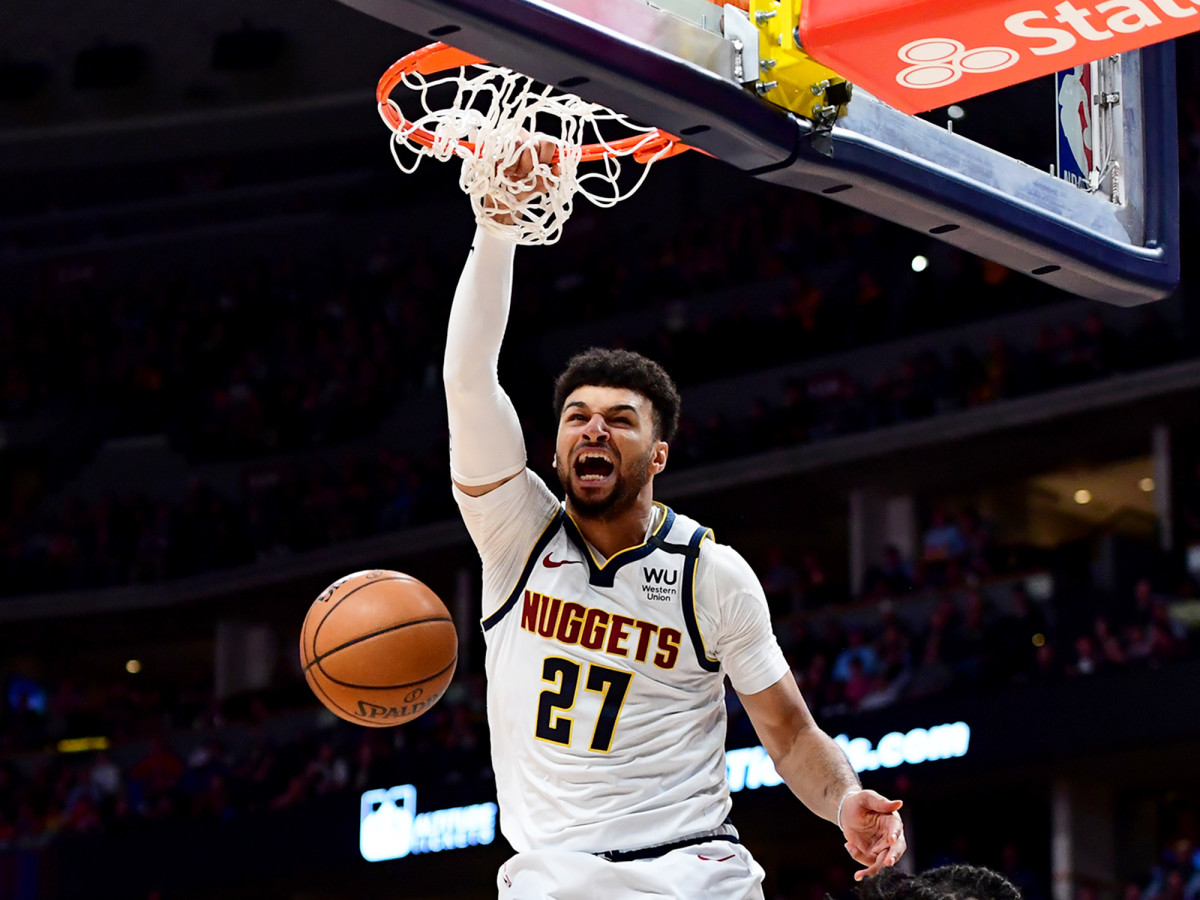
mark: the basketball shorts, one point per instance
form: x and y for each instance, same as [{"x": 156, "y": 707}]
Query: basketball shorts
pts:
[{"x": 718, "y": 869}]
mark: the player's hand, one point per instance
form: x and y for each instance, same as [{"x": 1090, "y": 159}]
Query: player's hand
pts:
[
  {"x": 534, "y": 151},
  {"x": 873, "y": 830}
]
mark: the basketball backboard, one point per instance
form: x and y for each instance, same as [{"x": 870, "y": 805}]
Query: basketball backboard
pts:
[{"x": 691, "y": 68}]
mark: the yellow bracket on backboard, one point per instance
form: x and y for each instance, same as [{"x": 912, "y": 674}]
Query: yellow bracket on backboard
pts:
[{"x": 789, "y": 77}]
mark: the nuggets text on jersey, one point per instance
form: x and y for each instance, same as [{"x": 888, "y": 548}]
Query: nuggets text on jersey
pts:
[{"x": 596, "y": 629}]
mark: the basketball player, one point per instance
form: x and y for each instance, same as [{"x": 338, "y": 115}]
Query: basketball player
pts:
[
  {"x": 611, "y": 623},
  {"x": 959, "y": 881}
]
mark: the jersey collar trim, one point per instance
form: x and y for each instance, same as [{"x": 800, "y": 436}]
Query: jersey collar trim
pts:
[{"x": 603, "y": 575}]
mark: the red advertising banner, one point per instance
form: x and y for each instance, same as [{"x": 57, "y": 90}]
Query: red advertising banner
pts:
[{"x": 918, "y": 55}]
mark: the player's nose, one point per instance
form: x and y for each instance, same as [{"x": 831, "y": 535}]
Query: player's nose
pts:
[{"x": 596, "y": 429}]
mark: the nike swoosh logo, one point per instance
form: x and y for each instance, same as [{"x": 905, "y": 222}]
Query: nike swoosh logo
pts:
[
  {"x": 555, "y": 563},
  {"x": 714, "y": 858}
]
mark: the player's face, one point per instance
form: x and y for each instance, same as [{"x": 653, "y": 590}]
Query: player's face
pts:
[{"x": 606, "y": 452}]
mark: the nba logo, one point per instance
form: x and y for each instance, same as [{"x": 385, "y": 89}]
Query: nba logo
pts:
[
  {"x": 386, "y": 823},
  {"x": 1074, "y": 96}
]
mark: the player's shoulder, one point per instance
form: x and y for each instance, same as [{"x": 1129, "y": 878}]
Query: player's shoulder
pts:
[
  {"x": 512, "y": 513},
  {"x": 717, "y": 560},
  {"x": 726, "y": 564}
]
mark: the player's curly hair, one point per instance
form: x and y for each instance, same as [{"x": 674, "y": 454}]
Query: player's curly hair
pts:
[
  {"x": 602, "y": 367},
  {"x": 954, "y": 882}
]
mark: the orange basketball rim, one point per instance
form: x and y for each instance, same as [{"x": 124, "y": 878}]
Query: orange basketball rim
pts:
[{"x": 439, "y": 57}]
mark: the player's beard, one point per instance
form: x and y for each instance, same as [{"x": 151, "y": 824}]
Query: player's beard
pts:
[{"x": 621, "y": 496}]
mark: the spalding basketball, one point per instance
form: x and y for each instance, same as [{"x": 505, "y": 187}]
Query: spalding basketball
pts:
[{"x": 378, "y": 648}]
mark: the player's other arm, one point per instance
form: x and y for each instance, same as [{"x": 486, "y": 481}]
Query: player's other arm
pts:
[
  {"x": 809, "y": 761},
  {"x": 816, "y": 770},
  {"x": 486, "y": 445}
]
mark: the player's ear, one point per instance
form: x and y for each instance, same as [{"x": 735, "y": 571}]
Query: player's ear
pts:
[{"x": 658, "y": 458}]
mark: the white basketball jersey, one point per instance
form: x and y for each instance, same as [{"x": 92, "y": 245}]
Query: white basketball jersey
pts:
[{"x": 605, "y": 706}]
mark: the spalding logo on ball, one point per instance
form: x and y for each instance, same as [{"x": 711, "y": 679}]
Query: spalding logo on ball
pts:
[{"x": 378, "y": 647}]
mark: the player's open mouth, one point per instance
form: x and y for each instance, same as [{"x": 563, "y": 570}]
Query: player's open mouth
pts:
[{"x": 593, "y": 467}]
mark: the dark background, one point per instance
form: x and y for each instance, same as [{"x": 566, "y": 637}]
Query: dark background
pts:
[{"x": 221, "y": 315}]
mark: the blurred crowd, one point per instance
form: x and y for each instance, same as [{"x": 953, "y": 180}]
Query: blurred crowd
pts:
[
  {"x": 177, "y": 752},
  {"x": 259, "y": 374},
  {"x": 126, "y": 537},
  {"x": 1175, "y": 874},
  {"x": 290, "y": 368},
  {"x": 970, "y": 643},
  {"x": 289, "y": 364},
  {"x": 229, "y": 762}
]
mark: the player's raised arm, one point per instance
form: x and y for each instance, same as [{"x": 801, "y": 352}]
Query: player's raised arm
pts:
[{"x": 486, "y": 444}]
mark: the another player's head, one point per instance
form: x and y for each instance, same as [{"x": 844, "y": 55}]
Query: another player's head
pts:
[
  {"x": 617, "y": 412},
  {"x": 955, "y": 882}
]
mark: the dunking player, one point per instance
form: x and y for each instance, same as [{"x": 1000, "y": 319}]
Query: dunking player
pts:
[{"x": 611, "y": 623}]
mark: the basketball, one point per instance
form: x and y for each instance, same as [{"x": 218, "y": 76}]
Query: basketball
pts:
[{"x": 378, "y": 648}]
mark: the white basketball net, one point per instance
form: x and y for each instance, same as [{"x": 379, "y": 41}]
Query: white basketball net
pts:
[{"x": 501, "y": 113}]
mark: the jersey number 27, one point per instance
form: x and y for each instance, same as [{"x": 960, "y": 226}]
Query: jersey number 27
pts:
[{"x": 554, "y": 726}]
